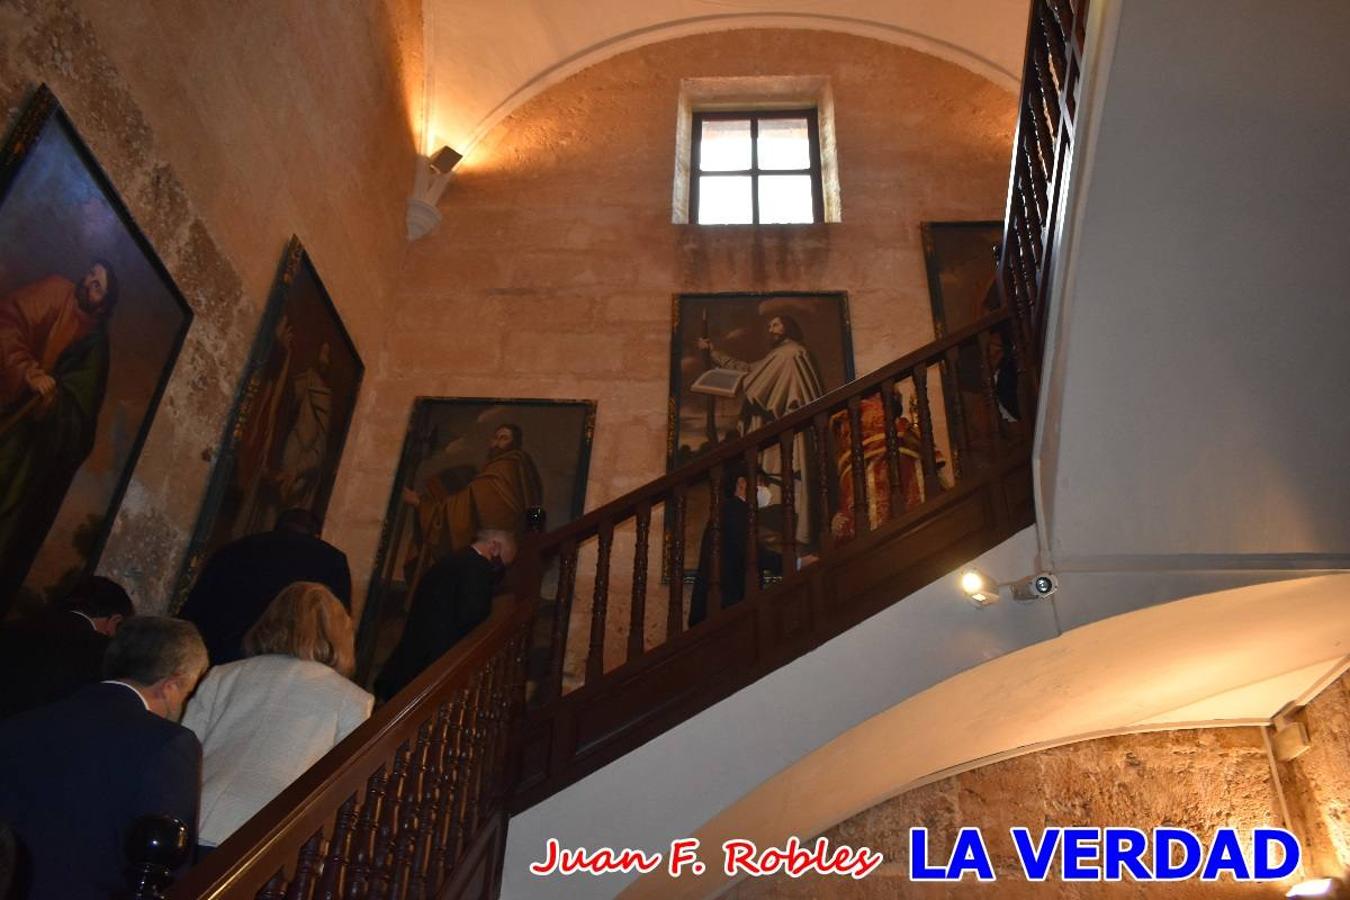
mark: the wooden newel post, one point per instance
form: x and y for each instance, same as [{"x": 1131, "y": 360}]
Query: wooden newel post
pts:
[{"x": 155, "y": 847}]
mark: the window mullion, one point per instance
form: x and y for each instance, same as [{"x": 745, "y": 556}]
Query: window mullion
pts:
[{"x": 754, "y": 169}]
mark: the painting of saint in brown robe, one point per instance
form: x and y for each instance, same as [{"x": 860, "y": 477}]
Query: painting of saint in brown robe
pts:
[
  {"x": 470, "y": 464},
  {"x": 451, "y": 509}
]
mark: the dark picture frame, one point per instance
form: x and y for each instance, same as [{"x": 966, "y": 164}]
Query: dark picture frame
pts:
[
  {"x": 443, "y": 449},
  {"x": 303, "y": 378},
  {"x": 962, "y": 288},
  {"x": 738, "y": 324},
  {"x": 67, "y": 457}
]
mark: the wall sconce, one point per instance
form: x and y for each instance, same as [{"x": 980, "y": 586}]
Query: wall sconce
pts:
[
  {"x": 429, "y": 180},
  {"x": 983, "y": 590},
  {"x": 979, "y": 587},
  {"x": 1318, "y": 887}
]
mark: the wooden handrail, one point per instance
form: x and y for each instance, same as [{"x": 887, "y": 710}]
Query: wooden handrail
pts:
[
  {"x": 621, "y": 507},
  {"x": 480, "y": 683},
  {"x": 1042, "y": 147}
]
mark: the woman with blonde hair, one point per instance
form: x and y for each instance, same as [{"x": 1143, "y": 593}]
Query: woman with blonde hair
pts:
[{"x": 265, "y": 719}]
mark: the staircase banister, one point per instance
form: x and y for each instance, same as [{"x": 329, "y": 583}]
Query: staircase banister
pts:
[
  {"x": 268, "y": 842},
  {"x": 622, "y": 507}
]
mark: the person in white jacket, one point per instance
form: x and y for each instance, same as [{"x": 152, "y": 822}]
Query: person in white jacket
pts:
[{"x": 265, "y": 719}]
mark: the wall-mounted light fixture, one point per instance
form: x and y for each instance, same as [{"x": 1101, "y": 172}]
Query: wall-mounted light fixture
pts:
[
  {"x": 979, "y": 587},
  {"x": 429, "y": 181},
  {"x": 983, "y": 590},
  {"x": 1318, "y": 887}
]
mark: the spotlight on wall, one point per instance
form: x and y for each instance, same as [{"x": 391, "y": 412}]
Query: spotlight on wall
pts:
[
  {"x": 983, "y": 590},
  {"x": 979, "y": 587},
  {"x": 445, "y": 160},
  {"x": 1318, "y": 887},
  {"x": 429, "y": 181}
]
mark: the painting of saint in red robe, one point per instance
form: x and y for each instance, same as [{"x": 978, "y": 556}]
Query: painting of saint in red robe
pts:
[{"x": 90, "y": 324}]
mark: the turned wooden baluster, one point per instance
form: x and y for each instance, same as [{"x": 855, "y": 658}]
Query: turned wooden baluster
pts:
[
  {"x": 305, "y": 866},
  {"x": 453, "y": 782},
  {"x": 468, "y": 764},
  {"x": 489, "y": 718},
  {"x": 503, "y": 665},
  {"x": 473, "y": 783},
  {"x": 275, "y": 889},
  {"x": 751, "y": 573},
  {"x": 562, "y": 614},
  {"x": 820, "y": 426},
  {"x": 358, "y": 882},
  {"x": 675, "y": 539},
  {"x": 424, "y": 857},
  {"x": 382, "y": 861},
  {"x": 989, "y": 391},
  {"x": 478, "y": 772},
  {"x": 637, "y": 621},
  {"x": 1015, "y": 342},
  {"x": 408, "y": 820},
  {"x": 339, "y": 852},
  {"x": 927, "y": 451},
  {"x": 789, "y": 498},
  {"x": 595, "y": 657},
  {"x": 888, "y": 413},
  {"x": 958, "y": 426},
  {"x": 862, "y": 522},
  {"x": 715, "y": 487}
]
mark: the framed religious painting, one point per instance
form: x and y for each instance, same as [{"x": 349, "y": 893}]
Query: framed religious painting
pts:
[
  {"x": 963, "y": 287},
  {"x": 285, "y": 435},
  {"x": 738, "y": 362},
  {"x": 90, "y": 327},
  {"x": 469, "y": 464}
]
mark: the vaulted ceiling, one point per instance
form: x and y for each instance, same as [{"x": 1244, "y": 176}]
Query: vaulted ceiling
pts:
[{"x": 486, "y": 57}]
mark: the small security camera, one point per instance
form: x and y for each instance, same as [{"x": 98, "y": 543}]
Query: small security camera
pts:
[{"x": 1035, "y": 587}]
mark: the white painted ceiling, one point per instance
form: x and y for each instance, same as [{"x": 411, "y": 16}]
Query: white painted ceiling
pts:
[{"x": 485, "y": 57}]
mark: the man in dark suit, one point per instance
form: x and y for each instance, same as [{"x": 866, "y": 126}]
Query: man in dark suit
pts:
[
  {"x": 242, "y": 578},
  {"x": 76, "y": 773},
  {"x": 49, "y": 655},
  {"x": 453, "y": 598},
  {"x": 735, "y": 544}
]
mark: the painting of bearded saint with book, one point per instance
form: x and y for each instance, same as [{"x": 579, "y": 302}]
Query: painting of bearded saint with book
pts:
[{"x": 740, "y": 363}]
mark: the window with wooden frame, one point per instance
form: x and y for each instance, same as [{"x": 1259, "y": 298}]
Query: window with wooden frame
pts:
[{"x": 759, "y": 167}]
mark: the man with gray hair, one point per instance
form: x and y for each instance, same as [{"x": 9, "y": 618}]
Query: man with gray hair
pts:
[
  {"x": 76, "y": 773},
  {"x": 453, "y": 598}
]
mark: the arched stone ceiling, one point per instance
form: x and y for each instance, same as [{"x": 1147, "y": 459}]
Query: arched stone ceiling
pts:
[{"x": 486, "y": 57}]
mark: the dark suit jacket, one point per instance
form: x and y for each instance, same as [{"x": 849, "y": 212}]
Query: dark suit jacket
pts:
[
  {"x": 46, "y": 658},
  {"x": 242, "y": 578},
  {"x": 453, "y": 598},
  {"x": 735, "y": 540},
  {"x": 76, "y": 773}
]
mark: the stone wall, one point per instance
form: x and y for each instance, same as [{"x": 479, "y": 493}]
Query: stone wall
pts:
[
  {"x": 1199, "y": 779},
  {"x": 553, "y": 272},
  {"x": 225, "y": 132}
]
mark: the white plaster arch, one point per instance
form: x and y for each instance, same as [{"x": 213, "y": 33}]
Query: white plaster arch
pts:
[{"x": 470, "y": 90}]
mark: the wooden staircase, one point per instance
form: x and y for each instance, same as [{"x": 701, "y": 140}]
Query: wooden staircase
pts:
[{"x": 414, "y": 803}]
